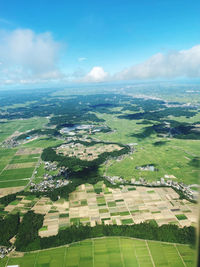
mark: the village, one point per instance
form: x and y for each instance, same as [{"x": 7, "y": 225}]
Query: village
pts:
[
  {"x": 86, "y": 152},
  {"x": 186, "y": 190},
  {"x": 51, "y": 182}
]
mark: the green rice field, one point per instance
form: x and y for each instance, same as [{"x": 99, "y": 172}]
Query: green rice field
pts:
[
  {"x": 8, "y": 128},
  {"x": 109, "y": 252},
  {"x": 16, "y": 170}
]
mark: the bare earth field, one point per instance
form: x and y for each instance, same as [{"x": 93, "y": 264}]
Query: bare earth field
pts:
[{"x": 99, "y": 204}]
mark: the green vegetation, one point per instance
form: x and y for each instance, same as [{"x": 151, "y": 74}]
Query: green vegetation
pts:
[
  {"x": 39, "y": 132},
  {"x": 15, "y": 202},
  {"x": 14, "y": 183},
  {"x": 43, "y": 142},
  {"x": 168, "y": 233},
  {"x": 111, "y": 204},
  {"x": 8, "y": 128},
  {"x": 173, "y": 159},
  {"x": 8, "y": 228},
  {"x": 27, "y": 236},
  {"x": 165, "y": 136},
  {"x": 25, "y": 158},
  {"x": 124, "y": 213},
  {"x": 110, "y": 251},
  {"x": 43, "y": 228},
  {"x": 103, "y": 211},
  {"x": 181, "y": 217},
  {"x": 127, "y": 221},
  {"x": 64, "y": 215},
  {"x": 16, "y": 174}
]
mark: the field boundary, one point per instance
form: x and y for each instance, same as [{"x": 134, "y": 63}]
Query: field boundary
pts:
[
  {"x": 180, "y": 255},
  {"x": 150, "y": 253}
]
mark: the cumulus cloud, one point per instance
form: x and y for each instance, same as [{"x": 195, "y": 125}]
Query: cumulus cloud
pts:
[
  {"x": 97, "y": 74},
  {"x": 26, "y": 55},
  {"x": 183, "y": 63}
]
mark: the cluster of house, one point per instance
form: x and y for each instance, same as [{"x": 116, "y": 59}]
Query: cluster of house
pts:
[
  {"x": 185, "y": 189},
  {"x": 132, "y": 147},
  {"x": 10, "y": 143},
  {"x": 13, "y": 142},
  {"x": 90, "y": 129},
  {"x": 48, "y": 184},
  {"x": 50, "y": 166},
  {"x": 50, "y": 181},
  {"x": 5, "y": 250}
]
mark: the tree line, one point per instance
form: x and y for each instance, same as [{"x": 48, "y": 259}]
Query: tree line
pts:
[{"x": 28, "y": 239}]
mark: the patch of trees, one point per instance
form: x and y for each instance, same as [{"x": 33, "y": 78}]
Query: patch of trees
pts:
[
  {"x": 179, "y": 130},
  {"x": 8, "y": 228},
  {"x": 73, "y": 118},
  {"x": 23, "y": 96},
  {"x": 27, "y": 237},
  {"x": 195, "y": 162},
  {"x": 144, "y": 122},
  {"x": 161, "y": 114},
  {"x": 149, "y": 231},
  {"x": 159, "y": 143},
  {"x": 137, "y": 104},
  {"x": 7, "y": 199},
  {"x": 147, "y": 131},
  {"x": 106, "y": 130},
  {"x": 52, "y": 132}
]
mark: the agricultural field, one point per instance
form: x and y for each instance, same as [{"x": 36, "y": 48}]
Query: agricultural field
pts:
[
  {"x": 15, "y": 127},
  {"x": 123, "y": 129},
  {"x": 43, "y": 142},
  {"x": 170, "y": 156},
  {"x": 116, "y": 252},
  {"x": 164, "y": 143},
  {"x": 168, "y": 159},
  {"x": 18, "y": 166},
  {"x": 91, "y": 205}
]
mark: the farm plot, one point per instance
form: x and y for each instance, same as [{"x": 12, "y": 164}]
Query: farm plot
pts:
[
  {"x": 16, "y": 174},
  {"x": 19, "y": 167},
  {"x": 5, "y": 156},
  {"x": 116, "y": 252},
  {"x": 18, "y": 126},
  {"x": 98, "y": 204},
  {"x": 109, "y": 206}
]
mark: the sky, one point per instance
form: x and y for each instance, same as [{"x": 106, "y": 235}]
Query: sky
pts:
[{"x": 45, "y": 42}]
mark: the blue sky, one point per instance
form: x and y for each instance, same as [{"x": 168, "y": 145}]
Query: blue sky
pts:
[{"x": 92, "y": 41}]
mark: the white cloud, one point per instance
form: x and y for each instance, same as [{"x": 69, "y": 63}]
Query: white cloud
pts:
[
  {"x": 183, "y": 63},
  {"x": 80, "y": 59},
  {"x": 97, "y": 74},
  {"x": 26, "y": 55},
  {"x": 30, "y": 58}
]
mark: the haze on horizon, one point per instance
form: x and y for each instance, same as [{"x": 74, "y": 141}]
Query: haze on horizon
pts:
[{"x": 44, "y": 42}]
